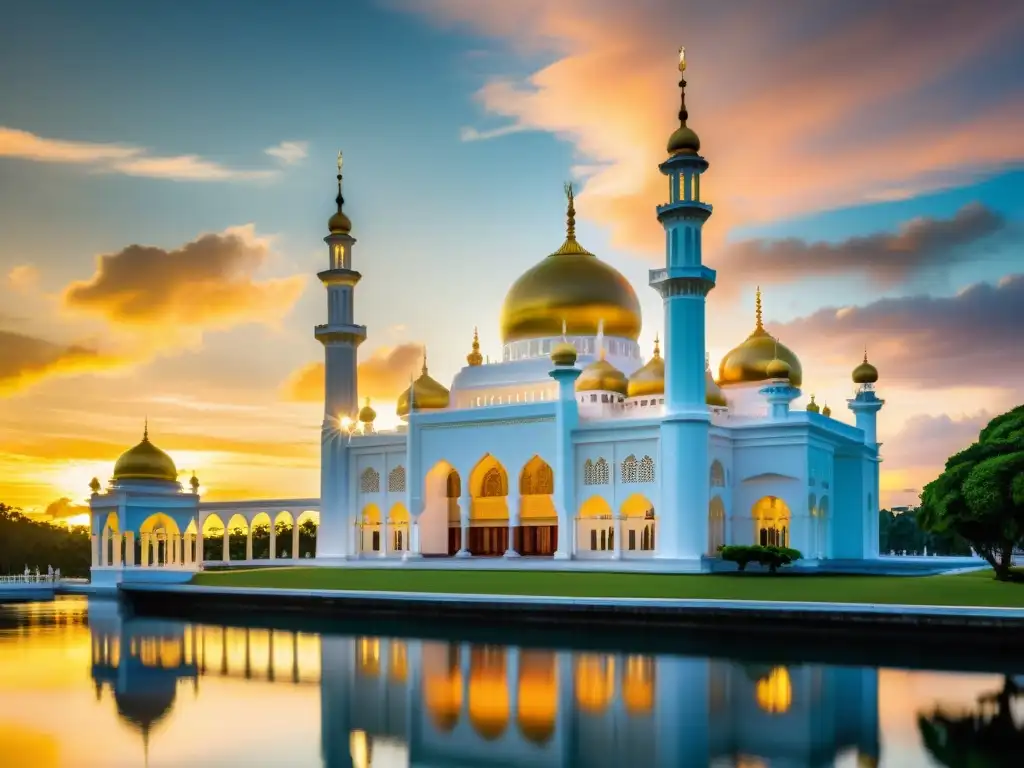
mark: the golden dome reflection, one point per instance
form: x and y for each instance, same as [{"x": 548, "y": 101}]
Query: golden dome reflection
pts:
[
  {"x": 571, "y": 288},
  {"x": 749, "y": 361},
  {"x": 650, "y": 379},
  {"x": 774, "y": 692},
  {"x": 427, "y": 393},
  {"x": 145, "y": 462}
]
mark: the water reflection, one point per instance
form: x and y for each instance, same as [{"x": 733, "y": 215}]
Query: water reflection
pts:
[{"x": 192, "y": 693}]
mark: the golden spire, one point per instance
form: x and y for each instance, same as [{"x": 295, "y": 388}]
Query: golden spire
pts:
[
  {"x": 474, "y": 357},
  {"x": 424, "y": 369},
  {"x": 684, "y": 140},
  {"x": 657, "y": 347},
  {"x": 339, "y": 223},
  {"x": 145, "y": 427},
  {"x": 570, "y": 247},
  {"x": 757, "y": 312}
]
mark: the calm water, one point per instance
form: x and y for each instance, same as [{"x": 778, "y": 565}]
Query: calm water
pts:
[{"x": 80, "y": 685}]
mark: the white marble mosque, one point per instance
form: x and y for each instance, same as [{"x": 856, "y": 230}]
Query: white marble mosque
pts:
[
  {"x": 572, "y": 450},
  {"x": 408, "y": 702}
]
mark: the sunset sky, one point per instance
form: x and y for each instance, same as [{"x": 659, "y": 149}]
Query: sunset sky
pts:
[{"x": 167, "y": 171}]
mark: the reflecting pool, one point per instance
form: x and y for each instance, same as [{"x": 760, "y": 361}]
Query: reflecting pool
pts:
[{"x": 82, "y": 685}]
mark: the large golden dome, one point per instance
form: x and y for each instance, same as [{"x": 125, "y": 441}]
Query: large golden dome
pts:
[
  {"x": 573, "y": 290},
  {"x": 749, "y": 361},
  {"x": 650, "y": 379},
  {"x": 427, "y": 393},
  {"x": 713, "y": 394},
  {"x": 145, "y": 462}
]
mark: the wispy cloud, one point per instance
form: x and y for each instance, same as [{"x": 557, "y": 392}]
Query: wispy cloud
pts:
[
  {"x": 119, "y": 158},
  {"x": 469, "y": 133},
  {"x": 289, "y": 152}
]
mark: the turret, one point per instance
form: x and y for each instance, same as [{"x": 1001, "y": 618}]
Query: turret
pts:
[
  {"x": 865, "y": 403},
  {"x": 565, "y": 372}
]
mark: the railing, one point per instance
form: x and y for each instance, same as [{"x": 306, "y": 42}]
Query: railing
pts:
[{"x": 31, "y": 578}]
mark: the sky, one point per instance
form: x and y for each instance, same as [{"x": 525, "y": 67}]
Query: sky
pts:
[{"x": 167, "y": 171}]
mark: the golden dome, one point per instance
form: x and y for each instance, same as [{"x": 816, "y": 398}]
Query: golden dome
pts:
[
  {"x": 574, "y": 288},
  {"x": 812, "y": 406},
  {"x": 145, "y": 462},
  {"x": 865, "y": 373},
  {"x": 564, "y": 353},
  {"x": 826, "y": 411},
  {"x": 713, "y": 393},
  {"x": 749, "y": 361},
  {"x": 650, "y": 379},
  {"x": 427, "y": 393},
  {"x": 777, "y": 369},
  {"x": 602, "y": 376},
  {"x": 366, "y": 413},
  {"x": 474, "y": 357}
]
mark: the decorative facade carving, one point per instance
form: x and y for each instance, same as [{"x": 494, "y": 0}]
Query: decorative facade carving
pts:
[
  {"x": 369, "y": 481},
  {"x": 396, "y": 480}
]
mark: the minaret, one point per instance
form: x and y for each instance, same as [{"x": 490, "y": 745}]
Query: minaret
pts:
[
  {"x": 684, "y": 283},
  {"x": 340, "y": 335},
  {"x": 341, "y": 338},
  {"x": 865, "y": 405}
]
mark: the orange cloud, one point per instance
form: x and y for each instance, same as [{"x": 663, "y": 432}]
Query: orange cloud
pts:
[
  {"x": 118, "y": 158},
  {"x": 207, "y": 283},
  {"x": 382, "y": 376},
  {"x": 25, "y": 360},
  {"x": 791, "y": 122},
  {"x": 23, "y": 277}
]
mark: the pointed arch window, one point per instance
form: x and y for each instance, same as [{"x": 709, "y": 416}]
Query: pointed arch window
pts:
[
  {"x": 493, "y": 485},
  {"x": 396, "y": 480},
  {"x": 645, "y": 473},
  {"x": 369, "y": 481},
  {"x": 588, "y": 472},
  {"x": 601, "y": 472},
  {"x": 628, "y": 469}
]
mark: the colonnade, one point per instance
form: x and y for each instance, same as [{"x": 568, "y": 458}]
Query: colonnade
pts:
[{"x": 157, "y": 549}]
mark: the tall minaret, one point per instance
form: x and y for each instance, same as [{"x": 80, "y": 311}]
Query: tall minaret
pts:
[
  {"x": 340, "y": 335},
  {"x": 341, "y": 338},
  {"x": 684, "y": 283}
]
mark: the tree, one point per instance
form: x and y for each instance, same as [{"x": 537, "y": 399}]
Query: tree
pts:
[
  {"x": 980, "y": 494},
  {"x": 28, "y": 542},
  {"x": 986, "y": 737}
]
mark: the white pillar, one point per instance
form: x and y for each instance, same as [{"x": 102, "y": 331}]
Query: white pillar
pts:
[
  {"x": 129, "y": 549},
  {"x": 617, "y": 536},
  {"x": 512, "y": 676},
  {"x": 273, "y": 540},
  {"x": 94, "y": 549},
  {"x": 513, "y": 525},
  {"x": 144, "y": 550},
  {"x": 199, "y": 548},
  {"x": 248, "y": 543},
  {"x": 118, "y": 559},
  {"x": 295, "y": 540},
  {"x": 465, "y": 505},
  {"x": 226, "y": 554},
  {"x": 187, "y": 538},
  {"x": 384, "y": 533}
]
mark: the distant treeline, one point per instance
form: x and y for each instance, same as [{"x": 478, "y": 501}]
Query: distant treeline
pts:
[
  {"x": 901, "y": 531},
  {"x": 27, "y": 542}
]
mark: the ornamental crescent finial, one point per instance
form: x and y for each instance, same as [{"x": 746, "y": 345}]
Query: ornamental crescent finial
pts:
[
  {"x": 341, "y": 160},
  {"x": 682, "y": 58}
]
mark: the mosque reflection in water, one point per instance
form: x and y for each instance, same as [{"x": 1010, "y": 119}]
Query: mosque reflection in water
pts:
[{"x": 391, "y": 701}]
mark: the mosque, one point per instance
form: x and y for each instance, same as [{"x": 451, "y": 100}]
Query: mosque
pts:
[{"x": 572, "y": 447}]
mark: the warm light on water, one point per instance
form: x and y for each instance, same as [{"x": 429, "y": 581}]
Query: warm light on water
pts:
[{"x": 80, "y": 685}]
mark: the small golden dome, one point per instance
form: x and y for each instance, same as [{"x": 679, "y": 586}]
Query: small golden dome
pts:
[
  {"x": 826, "y": 411},
  {"x": 145, "y": 462},
  {"x": 339, "y": 224},
  {"x": 94, "y": 485},
  {"x": 474, "y": 357},
  {"x": 366, "y": 413},
  {"x": 713, "y": 393},
  {"x": 777, "y": 369},
  {"x": 564, "y": 353},
  {"x": 683, "y": 140},
  {"x": 812, "y": 407},
  {"x": 650, "y": 379},
  {"x": 602, "y": 376},
  {"x": 865, "y": 373},
  {"x": 194, "y": 483},
  {"x": 571, "y": 288},
  {"x": 749, "y": 361},
  {"x": 427, "y": 393}
]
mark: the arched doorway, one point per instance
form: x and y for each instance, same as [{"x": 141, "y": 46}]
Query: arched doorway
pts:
[
  {"x": 214, "y": 538},
  {"x": 369, "y": 529},
  {"x": 771, "y": 522},
  {"x": 438, "y": 524},
  {"x": 595, "y": 526},
  {"x": 398, "y": 528},
  {"x": 638, "y": 525},
  {"x": 159, "y": 533},
  {"x": 237, "y": 538},
  {"x": 716, "y": 525},
  {"x": 110, "y": 541},
  {"x": 488, "y": 515},
  {"x": 538, "y": 531}
]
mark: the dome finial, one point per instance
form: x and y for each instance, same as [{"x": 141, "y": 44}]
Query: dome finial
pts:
[
  {"x": 424, "y": 369},
  {"x": 757, "y": 310},
  {"x": 684, "y": 140},
  {"x": 474, "y": 357},
  {"x": 865, "y": 354},
  {"x": 657, "y": 346},
  {"x": 339, "y": 223},
  {"x": 145, "y": 430},
  {"x": 570, "y": 213}
]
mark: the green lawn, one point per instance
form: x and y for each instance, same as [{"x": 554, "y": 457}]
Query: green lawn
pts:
[{"x": 976, "y": 588}]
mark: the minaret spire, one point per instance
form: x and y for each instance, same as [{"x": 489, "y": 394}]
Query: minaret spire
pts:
[
  {"x": 571, "y": 247},
  {"x": 145, "y": 424},
  {"x": 424, "y": 369},
  {"x": 757, "y": 310},
  {"x": 474, "y": 357}
]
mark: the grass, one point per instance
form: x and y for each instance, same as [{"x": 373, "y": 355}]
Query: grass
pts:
[{"x": 976, "y": 588}]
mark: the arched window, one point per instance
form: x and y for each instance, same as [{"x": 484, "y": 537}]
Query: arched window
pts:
[
  {"x": 544, "y": 480},
  {"x": 588, "y": 472},
  {"x": 717, "y": 474},
  {"x": 492, "y": 485},
  {"x": 369, "y": 481},
  {"x": 396, "y": 480},
  {"x": 628, "y": 469},
  {"x": 646, "y": 471},
  {"x": 454, "y": 485},
  {"x": 601, "y": 472}
]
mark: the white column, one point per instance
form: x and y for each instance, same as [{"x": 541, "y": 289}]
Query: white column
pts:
[
  {"x": 617, "y": 537},
  {"x": 465, "y": 505},
  {"x": 273, "y": 540},
  {"x": 154, "y": 544},
  {"x": 199, "y": 548},
  {"x": 513, "y": 525},
  {"x": 94, "y": 549},
  {"x": 384, "y": 533},
  {"x": 295, "y": 540},
  {"x": 129, "y": 549},
  {"x": 118, "y": 559},
  {"x": 226, "y": 554},
  {"x": 248, "y": 543},
  {"x": 144, "y": 549},
  {"x": 187, "y": 540}
]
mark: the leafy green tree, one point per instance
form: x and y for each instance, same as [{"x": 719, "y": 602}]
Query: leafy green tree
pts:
[
  {"x": 29, "y": 542},
  {"x": 988, "y": 737},
  {"x": 980, "y": 494}
]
